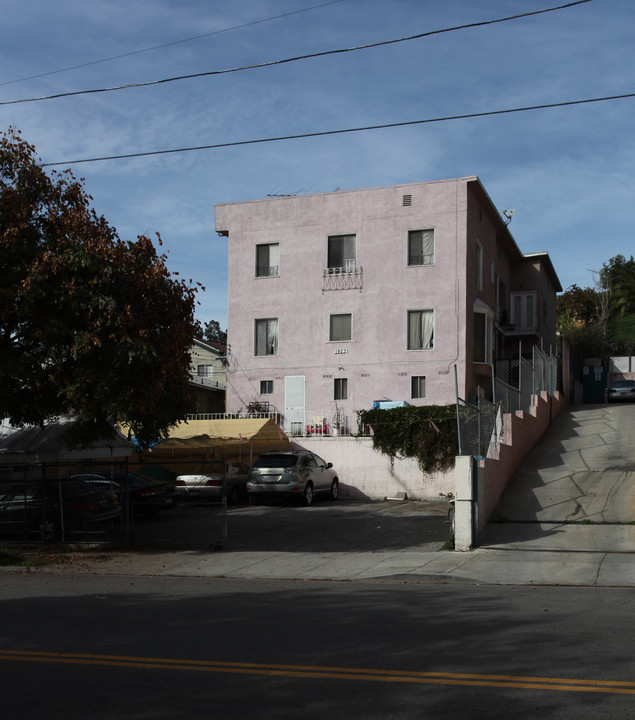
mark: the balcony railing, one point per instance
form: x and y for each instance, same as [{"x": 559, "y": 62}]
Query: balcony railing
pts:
[
  {"x": 349, "y": 277},
  {"x": 299, "y": 423}
]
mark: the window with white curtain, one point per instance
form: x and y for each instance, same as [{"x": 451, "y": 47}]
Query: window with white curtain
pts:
[
  {"x": 420, "y": 329},
  {"x": 421, "y": 247},
  {"x": 342, "y": 253},
  {"x": 268, "y": 260},
  {"x": 341, "y": 327},
  {"x": 266, "y": 336}
]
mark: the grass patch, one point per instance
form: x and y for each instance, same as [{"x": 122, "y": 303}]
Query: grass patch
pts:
[{"x": 12, "y": 557}]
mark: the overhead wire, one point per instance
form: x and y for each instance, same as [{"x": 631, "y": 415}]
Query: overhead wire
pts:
[
  {"x": 324, "y": 133},
  {"x": 168, "y": 44},
  {"x": 297, "y": 58}
]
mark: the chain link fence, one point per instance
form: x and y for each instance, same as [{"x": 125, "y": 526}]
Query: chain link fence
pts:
[
  {"x": 519, "y": 380},
  {"x": 95, "y": 502},
  {"x": 516, "y": 384},
  {"x": 480, "y": 427}
]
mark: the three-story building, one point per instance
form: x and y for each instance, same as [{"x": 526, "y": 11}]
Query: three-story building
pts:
[{"x": 341, "y": 299}]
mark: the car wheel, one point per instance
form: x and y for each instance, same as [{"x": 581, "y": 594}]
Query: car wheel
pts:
[
  {"x": 308, "y": 494},
  {"x": 335, "y": 489},
  {"x": 254, "y": 500},
  {"x": 47, "y": 530},
  {"x": 234, "y": 496}
]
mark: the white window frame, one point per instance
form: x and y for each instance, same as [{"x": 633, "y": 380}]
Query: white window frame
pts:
[
  {"x": 266, "y": 337},
  {"x": 343, "y": 259},
  {"x": 204, "y": 370},
  {"x": 273, "y": 252},
  {"x": 422, "y": 331},
  {"x": 266, "y": 387},
  {"x": 422, "y": 238},
  {"x": 340, "y": 389},
  {"x": 418, "y": 381},
  {"x": 524, "y": 303},
  {"x": 487, "y": 340},
  {"x": 350, "y": 327}
]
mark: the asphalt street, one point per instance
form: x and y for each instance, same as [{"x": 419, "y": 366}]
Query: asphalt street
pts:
[{"x": 120, "y": 647}]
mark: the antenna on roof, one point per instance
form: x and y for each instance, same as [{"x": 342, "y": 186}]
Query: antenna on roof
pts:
[{"x": 508, "y": 214}]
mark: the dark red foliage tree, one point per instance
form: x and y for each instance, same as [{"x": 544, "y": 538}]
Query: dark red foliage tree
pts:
[{"x": 90, "y": 325}]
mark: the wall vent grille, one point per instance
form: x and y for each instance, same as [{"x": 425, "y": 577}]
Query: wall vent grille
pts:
[{"x": 407, "y": 200}]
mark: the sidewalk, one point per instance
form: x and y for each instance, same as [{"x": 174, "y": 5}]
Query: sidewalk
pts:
[{"x": 482, "y": 566}]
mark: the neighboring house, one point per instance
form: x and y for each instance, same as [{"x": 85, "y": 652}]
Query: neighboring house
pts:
[
  {"x": 208, "y": 376},
  {"x": 341, "y": 299}
]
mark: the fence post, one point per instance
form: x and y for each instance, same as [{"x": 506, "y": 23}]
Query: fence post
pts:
[
  {"x": 458, "y": 415},
  {"x": 520, "y": 373}
]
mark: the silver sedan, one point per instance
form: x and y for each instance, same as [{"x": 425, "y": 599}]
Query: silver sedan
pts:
[{"x": 212, "y": 486}]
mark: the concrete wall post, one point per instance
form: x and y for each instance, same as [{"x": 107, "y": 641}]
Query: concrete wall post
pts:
[{"x": 464, "y": 503}]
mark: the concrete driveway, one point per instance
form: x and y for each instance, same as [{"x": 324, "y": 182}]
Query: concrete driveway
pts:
[
  {"x": 325, "y": 527},
  {"x": 576, "y": 489}
]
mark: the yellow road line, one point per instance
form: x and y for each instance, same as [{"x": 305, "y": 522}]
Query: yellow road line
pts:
[{"x": 336, "y": 673}]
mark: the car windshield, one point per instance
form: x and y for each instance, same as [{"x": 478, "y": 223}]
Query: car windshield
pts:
[
  {"x": 623, "y": 384},
  {"x": 276, "y": 461}
]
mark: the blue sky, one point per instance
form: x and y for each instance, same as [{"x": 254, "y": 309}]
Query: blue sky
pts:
[{"x": 567, "y": 171}]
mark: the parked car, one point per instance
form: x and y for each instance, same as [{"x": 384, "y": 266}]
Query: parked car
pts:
[
  {"x": 45, "y": 508},
  {"x": 148, "y": 495},
  {"x": 621, "y": 390},
  {"x": 291, "y": 473},
  {"x": 210, "y": 486}
]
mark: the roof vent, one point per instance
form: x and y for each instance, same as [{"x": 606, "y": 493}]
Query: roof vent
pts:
[{"x": 407, "y": 200}]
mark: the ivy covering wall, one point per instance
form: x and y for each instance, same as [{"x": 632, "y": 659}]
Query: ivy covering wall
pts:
[{"x": 427, "y": 434}]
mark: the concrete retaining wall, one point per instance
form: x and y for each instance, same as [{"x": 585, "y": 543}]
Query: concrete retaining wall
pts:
[
  {"x": 522, "y": 431},
  {"x": 366, "y": 473}
]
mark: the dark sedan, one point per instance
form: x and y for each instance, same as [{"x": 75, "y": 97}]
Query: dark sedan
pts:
[
  {"x": 149, "y": 494},
  {"x": 51, "y": 508}
]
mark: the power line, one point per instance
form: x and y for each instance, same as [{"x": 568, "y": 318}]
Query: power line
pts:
[
  {"x": 168, "y": 44},
  {"x": 324, "y": 133},
  {"x": 297, "y": 58}
]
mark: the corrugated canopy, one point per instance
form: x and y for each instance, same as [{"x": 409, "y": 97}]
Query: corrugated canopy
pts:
[
  {"x": 240, "y": 429},
  {"x": 203, "y": 440},
  {"x": 48, "y": 443}
]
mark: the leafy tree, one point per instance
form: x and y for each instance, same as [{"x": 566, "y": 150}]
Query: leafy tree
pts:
[
  {"x": 213, "y": 333},
  {"x": 576, "y": 306},
  {"x": 90, "y": 325},
  {"x": 600, "y": 321},
  {"x": 618, "y": 277}
]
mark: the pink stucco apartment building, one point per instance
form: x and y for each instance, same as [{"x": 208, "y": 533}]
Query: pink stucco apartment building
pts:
[{"x": 341, "y": 299}]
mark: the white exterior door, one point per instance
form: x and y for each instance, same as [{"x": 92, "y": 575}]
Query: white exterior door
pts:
[{"x": 294, "y": 404}]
